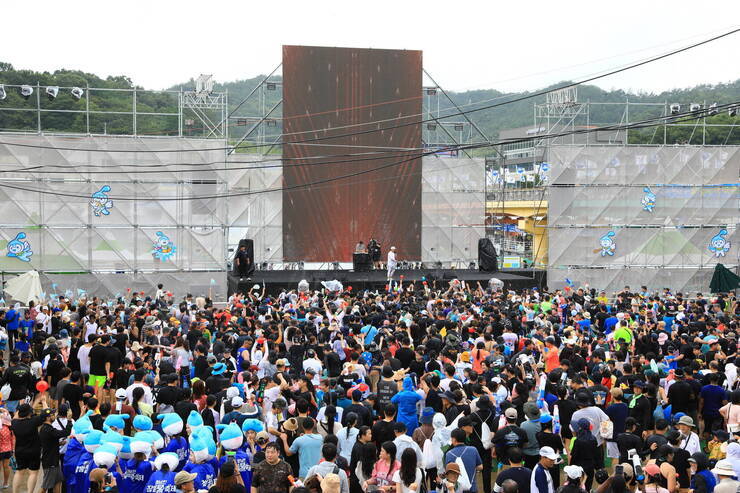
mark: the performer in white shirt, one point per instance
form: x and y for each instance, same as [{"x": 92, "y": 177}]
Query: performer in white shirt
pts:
[{"x": 392, "y": 263}]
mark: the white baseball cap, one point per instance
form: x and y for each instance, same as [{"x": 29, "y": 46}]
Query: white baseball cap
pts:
[
  {"x": 237, "y": 402},
  {"x": 549, "y": 453},
  {"x": 121, "y": 394},
  {"x": 573, "y": 472}
]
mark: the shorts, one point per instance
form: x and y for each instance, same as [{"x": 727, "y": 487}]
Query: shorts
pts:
[
  {"x": 28, "y": 461},
  {"x": 96, "y": 380},
  {"x": 612, "y": 450},
  {"x": 52, "y": 477},
  {"x": 6, "y": 455}
]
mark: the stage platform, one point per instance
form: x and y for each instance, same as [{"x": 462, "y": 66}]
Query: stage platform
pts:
[{"x": 376, "y": 279}]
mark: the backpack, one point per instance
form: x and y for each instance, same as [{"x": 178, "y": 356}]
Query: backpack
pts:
[{"x": 428, "y": 453}]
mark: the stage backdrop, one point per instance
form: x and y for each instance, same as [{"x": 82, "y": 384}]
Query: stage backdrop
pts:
[{"x": 343, "y": 89}]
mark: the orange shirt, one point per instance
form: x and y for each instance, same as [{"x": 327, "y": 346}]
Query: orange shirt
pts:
[
  {"x": 552, "y": 359},
  {"x": 479, "y": 355}
]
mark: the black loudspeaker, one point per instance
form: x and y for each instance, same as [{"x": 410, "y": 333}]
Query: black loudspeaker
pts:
[
  {"x": 487, "y": 257},
  {"x": 361, "y": 262},
  {"x": 246, "y": 261}
]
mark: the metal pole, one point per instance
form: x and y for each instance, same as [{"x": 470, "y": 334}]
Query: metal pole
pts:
[
  {"x": 87, "y": 108},
  {"x": 38, "y": 108},
  {"x": 627, "y": 128},
  {"x": 665, "y": 122},
  {"x": 134, "y": 109},
  {"x": 179, "y": 113}
]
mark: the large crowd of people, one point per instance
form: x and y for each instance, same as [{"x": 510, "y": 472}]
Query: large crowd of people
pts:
[{"x": 456, "y": 388}]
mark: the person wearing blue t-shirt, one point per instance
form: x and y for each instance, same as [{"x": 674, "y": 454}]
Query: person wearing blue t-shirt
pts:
[
  {"x": 206, "y": 475},
  {"x": 163, "y": 479},
  {"x": 370, "y": 333},
  {"x": 12, "y": 319},
  {"x": 85, "y": 464},
  {"x": 711, "y": 398},
  {"x": 307, "y": 446},
  {"x": 137, "y": 474},
  {"x": 179, "y": 445}
]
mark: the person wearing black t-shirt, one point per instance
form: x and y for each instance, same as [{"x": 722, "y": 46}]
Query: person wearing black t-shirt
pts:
[
  {"x": 383, "y": 429},
  {"x": 99, "y": 365},
  {"x": 72, "y": 394},
  {"x": 405, "y": 354},
  {"x": 680, "y": 394},
  {"x": 520, "y": 474}
]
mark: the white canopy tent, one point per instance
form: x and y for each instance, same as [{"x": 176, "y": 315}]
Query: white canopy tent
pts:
[{"x": 24, "y": 288}]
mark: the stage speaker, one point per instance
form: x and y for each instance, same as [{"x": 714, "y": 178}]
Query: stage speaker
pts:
[
  {"x": 246, "y": 268},
  {"x": 487, "y": 257},
  {"x": 361, "y": 262}
]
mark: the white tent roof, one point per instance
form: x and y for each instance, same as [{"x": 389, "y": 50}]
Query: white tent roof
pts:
[{"x": 24, "y": 288}]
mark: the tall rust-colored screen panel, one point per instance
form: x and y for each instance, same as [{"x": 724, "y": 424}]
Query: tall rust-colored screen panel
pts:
[{"x": 327, "y": 94}]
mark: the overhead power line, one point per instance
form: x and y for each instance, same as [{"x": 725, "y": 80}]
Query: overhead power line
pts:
[{"x": 400, "y": 125}]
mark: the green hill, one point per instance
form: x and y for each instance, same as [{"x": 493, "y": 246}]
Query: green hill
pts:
[{"x": 512, "y": 115}]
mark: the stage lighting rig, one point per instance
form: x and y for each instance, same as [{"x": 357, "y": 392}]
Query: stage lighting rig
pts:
[
  {"x": 51, "y": 92},
  {"x": 26, "y": 91},
  {"x": 732, "y": 110},
  {"x": 3, "y": 94},
  {"x": 694, "y": 107},
  {"x": 77, "y": 93},
  {"x": 675, "y": 109},
  {"x": 713, "y": 109}
]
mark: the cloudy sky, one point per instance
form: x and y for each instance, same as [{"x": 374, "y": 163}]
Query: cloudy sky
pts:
[{"x": 505, "y": 45}]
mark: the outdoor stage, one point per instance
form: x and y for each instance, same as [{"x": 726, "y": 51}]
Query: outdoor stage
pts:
[{"x": 376, "y": 279}]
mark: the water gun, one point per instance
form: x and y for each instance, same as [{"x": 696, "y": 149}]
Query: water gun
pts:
[
  {"x": 556, "y": 421},
  {"x": 541, "y": 404}
]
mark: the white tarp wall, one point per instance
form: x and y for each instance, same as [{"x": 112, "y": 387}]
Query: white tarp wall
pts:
[
  {"x": 599, "y": 192},
  {"x": 254, "y": 211},
  {"x": 453, "y": 209},
  {"x": 66, "y": 236}
]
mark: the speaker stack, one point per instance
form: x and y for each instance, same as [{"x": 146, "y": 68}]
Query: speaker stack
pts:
[{"x": 487, "y": 257}]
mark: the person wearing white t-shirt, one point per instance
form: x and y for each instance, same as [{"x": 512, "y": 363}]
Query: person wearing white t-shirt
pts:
[
  {"x": 44, "y": 319},
  {"x": 91, "y": 327},
  {"x": 392, "y": 262}
]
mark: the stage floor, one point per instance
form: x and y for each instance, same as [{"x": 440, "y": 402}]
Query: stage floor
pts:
[{"x": 376, "y": 279}]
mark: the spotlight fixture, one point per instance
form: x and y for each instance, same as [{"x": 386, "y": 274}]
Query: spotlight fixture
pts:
[
  {"x": 471, "y": 265},
  {"x": 458, "y": 127},
  {"x": 51, "y": 92},
  {"x": 431, "y": 126},
  {"x": 732, "y": 111},
  {"x": 432, "y": 91},
  {"x": 713, "y": 109},
  {"x": 271, "y": 86},
  {"x": 3, "y": 94},
  {"x": 675, "y": 109},
  {"x": 77, "y": 93},
  {"x": 694, "y": 107},
  {"x": 26, "y": 91}
]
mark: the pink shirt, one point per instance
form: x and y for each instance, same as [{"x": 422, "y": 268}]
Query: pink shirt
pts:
[
  {"x": 383, "y": 472},
  {"x": 732, "y": 411}
]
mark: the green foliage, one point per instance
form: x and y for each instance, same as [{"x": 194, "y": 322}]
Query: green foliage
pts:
[{"x": 491, "y": 121}]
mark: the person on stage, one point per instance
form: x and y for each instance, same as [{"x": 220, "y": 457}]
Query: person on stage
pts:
[
  {"x": 242, "y": 263},
  {"x": 392, "y": 263},
  {"x": 360, "y": 247},
  {"x": 373, "y": 248}
]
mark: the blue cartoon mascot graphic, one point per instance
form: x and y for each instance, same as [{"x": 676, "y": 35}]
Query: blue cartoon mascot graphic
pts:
[
  {"x": 163, "y": 247},
  {"x": 20, "y": 249},
  {"x": 100, "y": 202},
  {"x": 648, "y": 200},
  {"x": 719, "y": 245},
  {"x": 607, "y": 245}
]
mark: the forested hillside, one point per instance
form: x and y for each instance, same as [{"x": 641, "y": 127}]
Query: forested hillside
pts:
[{"x": 491, "y": 121}]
